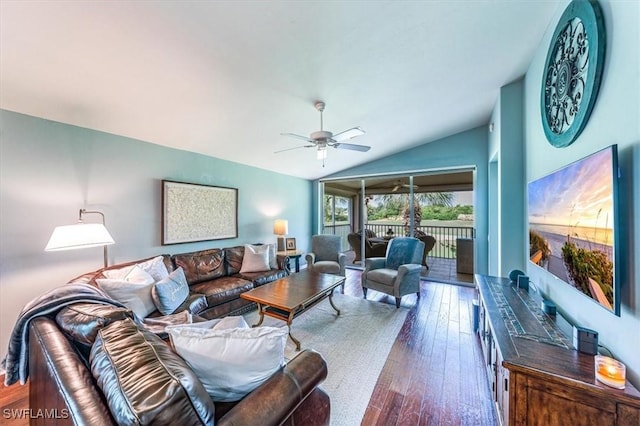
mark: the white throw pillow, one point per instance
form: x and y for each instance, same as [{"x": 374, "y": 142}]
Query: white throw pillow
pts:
[
  {"x": 155, "y": 267},
  {"x": 135, "y": 295},
  {"x": 130, "y": 274},
  {"x": 273, "y": 260},
  {"x": 230, "y": 362},
  {"x": 170, "y": 292},
  {"x": 255, "y": 259}
]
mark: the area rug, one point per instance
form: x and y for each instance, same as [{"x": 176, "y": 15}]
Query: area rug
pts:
[{"x": 355, "y": 345}]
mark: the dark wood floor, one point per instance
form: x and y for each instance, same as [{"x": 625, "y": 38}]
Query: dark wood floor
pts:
[
  {"x": 14, "y": 402},
  {"x": 433, "y": 375}
]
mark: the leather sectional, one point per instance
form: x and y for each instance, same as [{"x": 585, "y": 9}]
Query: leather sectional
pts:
[{"x": 93, "y": 363}]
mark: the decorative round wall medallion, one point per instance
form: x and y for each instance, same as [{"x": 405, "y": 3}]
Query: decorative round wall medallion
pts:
[{"x": 572, "y": 72}]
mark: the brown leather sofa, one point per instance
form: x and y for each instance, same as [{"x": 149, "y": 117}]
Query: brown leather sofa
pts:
[
  {"x": 141, "y": 380},
  {"x": 147, "y": 382},
  {"x": 214, "y": 278}
]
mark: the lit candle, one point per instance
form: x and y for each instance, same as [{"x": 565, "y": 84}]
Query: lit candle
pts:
[{"x": 610, "y": 372}]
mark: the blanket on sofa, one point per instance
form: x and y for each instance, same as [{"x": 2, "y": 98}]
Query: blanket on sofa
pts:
[{"x": 17, "y": 359}]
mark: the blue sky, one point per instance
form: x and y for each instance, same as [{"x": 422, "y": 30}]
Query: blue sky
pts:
[{"x": 580, "y": 194}]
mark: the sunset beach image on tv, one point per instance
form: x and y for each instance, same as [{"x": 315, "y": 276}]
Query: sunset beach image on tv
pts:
[{"x": 571, "y": 225}]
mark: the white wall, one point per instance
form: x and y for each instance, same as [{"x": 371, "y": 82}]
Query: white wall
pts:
[
  {"x": 49, "y": 170},
  {"x": 615, "y": 120}
]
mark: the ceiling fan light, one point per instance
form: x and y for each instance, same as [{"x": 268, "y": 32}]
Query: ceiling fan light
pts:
[{"x": 321, "y": 154}]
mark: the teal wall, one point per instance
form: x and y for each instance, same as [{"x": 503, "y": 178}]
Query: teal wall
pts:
[
  {"x": 463, "y": 150},
  {"x": 49, "y": 170},
  {"x": 511, "y": 191},
  {"x": 615, "y": 120}
]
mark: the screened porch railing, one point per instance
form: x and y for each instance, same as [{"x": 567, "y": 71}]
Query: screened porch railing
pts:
[{"x": 446, "y": 236}]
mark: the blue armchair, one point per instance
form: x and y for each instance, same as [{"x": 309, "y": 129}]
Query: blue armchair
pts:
[{"x": 398, "y": 273}]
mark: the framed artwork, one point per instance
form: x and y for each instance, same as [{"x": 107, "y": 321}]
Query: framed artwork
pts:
[
  {"x": 290, "y": 243},
  {"x": 193, "y": 212}
]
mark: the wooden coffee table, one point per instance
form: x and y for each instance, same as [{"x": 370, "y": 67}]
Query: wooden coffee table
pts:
[{"x": 288, "y": 297}]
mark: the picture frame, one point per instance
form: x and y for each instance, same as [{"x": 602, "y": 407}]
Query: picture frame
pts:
[
  {"x": 196, "y": 212},
  {"x": 290, "y": 244}
]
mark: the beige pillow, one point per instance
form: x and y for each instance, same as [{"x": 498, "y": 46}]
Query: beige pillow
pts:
[{"x": 255, "y": 259}]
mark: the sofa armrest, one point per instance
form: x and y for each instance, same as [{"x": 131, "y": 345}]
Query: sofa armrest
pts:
[
  {"x": 283, "y": 263},
  {"x": 60, "y": 382},
  {"x": 310, "y": 258},
  {"x": 278, "y": 398}
]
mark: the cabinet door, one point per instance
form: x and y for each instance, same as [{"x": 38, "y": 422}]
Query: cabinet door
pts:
[
  {"x": 552, "y": 404},
  {"x": 502, "y": 389}
]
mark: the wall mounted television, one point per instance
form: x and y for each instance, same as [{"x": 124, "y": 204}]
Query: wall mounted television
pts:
[{"x": 574, "y": 227}]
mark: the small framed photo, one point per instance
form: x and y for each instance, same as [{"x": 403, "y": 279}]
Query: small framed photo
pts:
[{"x": 290, "y": 243}]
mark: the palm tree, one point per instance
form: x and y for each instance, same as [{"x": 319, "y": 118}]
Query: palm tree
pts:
[{"x": 423, "y": 198}]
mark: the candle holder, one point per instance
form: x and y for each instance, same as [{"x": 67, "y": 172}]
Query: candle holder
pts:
[{"x": 610, "y": 371}]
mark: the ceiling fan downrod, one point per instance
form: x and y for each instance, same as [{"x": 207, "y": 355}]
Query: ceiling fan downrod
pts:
[{"x": 320, "y": 107}]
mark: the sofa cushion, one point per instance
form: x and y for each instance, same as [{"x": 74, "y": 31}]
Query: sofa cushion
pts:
[
  {"x": 223, "y": 289},
  {"x": 233, "y": 259},
  {"x": 256, "y": 259},
  {"x": 204, "y": 265},
  {"x": 82, "y": 321},
  {"x": 169, "y": 293},
  {"x": 123, "y": 357},
  {"x": 230, "y": 358},
  {"x": 261, "y": 278}
]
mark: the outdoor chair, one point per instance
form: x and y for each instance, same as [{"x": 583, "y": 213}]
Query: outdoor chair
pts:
[
  {"x": 398, "y": 273},
  {"x": 371, "y": 249}
]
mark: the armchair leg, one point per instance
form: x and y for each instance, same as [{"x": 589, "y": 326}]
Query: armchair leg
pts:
[
  {"x": 397, "y": 302},
  {"x": 364, "y": 290}
]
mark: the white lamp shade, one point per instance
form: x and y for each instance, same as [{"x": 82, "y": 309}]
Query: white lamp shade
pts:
[
  {"x": 281, "y": 227},
  {"x": 81, "y": 235}
]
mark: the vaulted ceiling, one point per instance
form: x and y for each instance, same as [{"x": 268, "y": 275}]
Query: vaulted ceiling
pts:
[{"x": 225, "y": 78}]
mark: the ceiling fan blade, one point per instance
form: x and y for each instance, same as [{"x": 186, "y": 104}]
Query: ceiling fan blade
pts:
[
  {"x": 348, "y": 134},
  {"x": 353, "y": 147},
  {"x": 293, "y": 135},
  {"x": 295, "y": 147}
]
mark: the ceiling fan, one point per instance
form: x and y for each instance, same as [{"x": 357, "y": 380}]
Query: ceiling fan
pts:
[
  {"x": 399, "y": 184},
  {"x": 323, "y": 139}
]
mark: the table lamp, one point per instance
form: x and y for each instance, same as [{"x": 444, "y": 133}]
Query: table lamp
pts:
[{"x": 281, "y": 228}]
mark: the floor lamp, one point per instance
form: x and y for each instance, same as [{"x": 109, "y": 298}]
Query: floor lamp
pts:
[{"x": 81, "y": 235}]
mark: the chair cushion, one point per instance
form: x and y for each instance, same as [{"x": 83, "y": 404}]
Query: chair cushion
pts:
[
  {"x": 326, "y": 247},
  {"x": 230, "y": 358},
  {"x": 384, "y": 276},
  {"x": 123, "y": 357},
  {"x": 402, "y": 251},
  {"x": 326, "y": 266}
]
